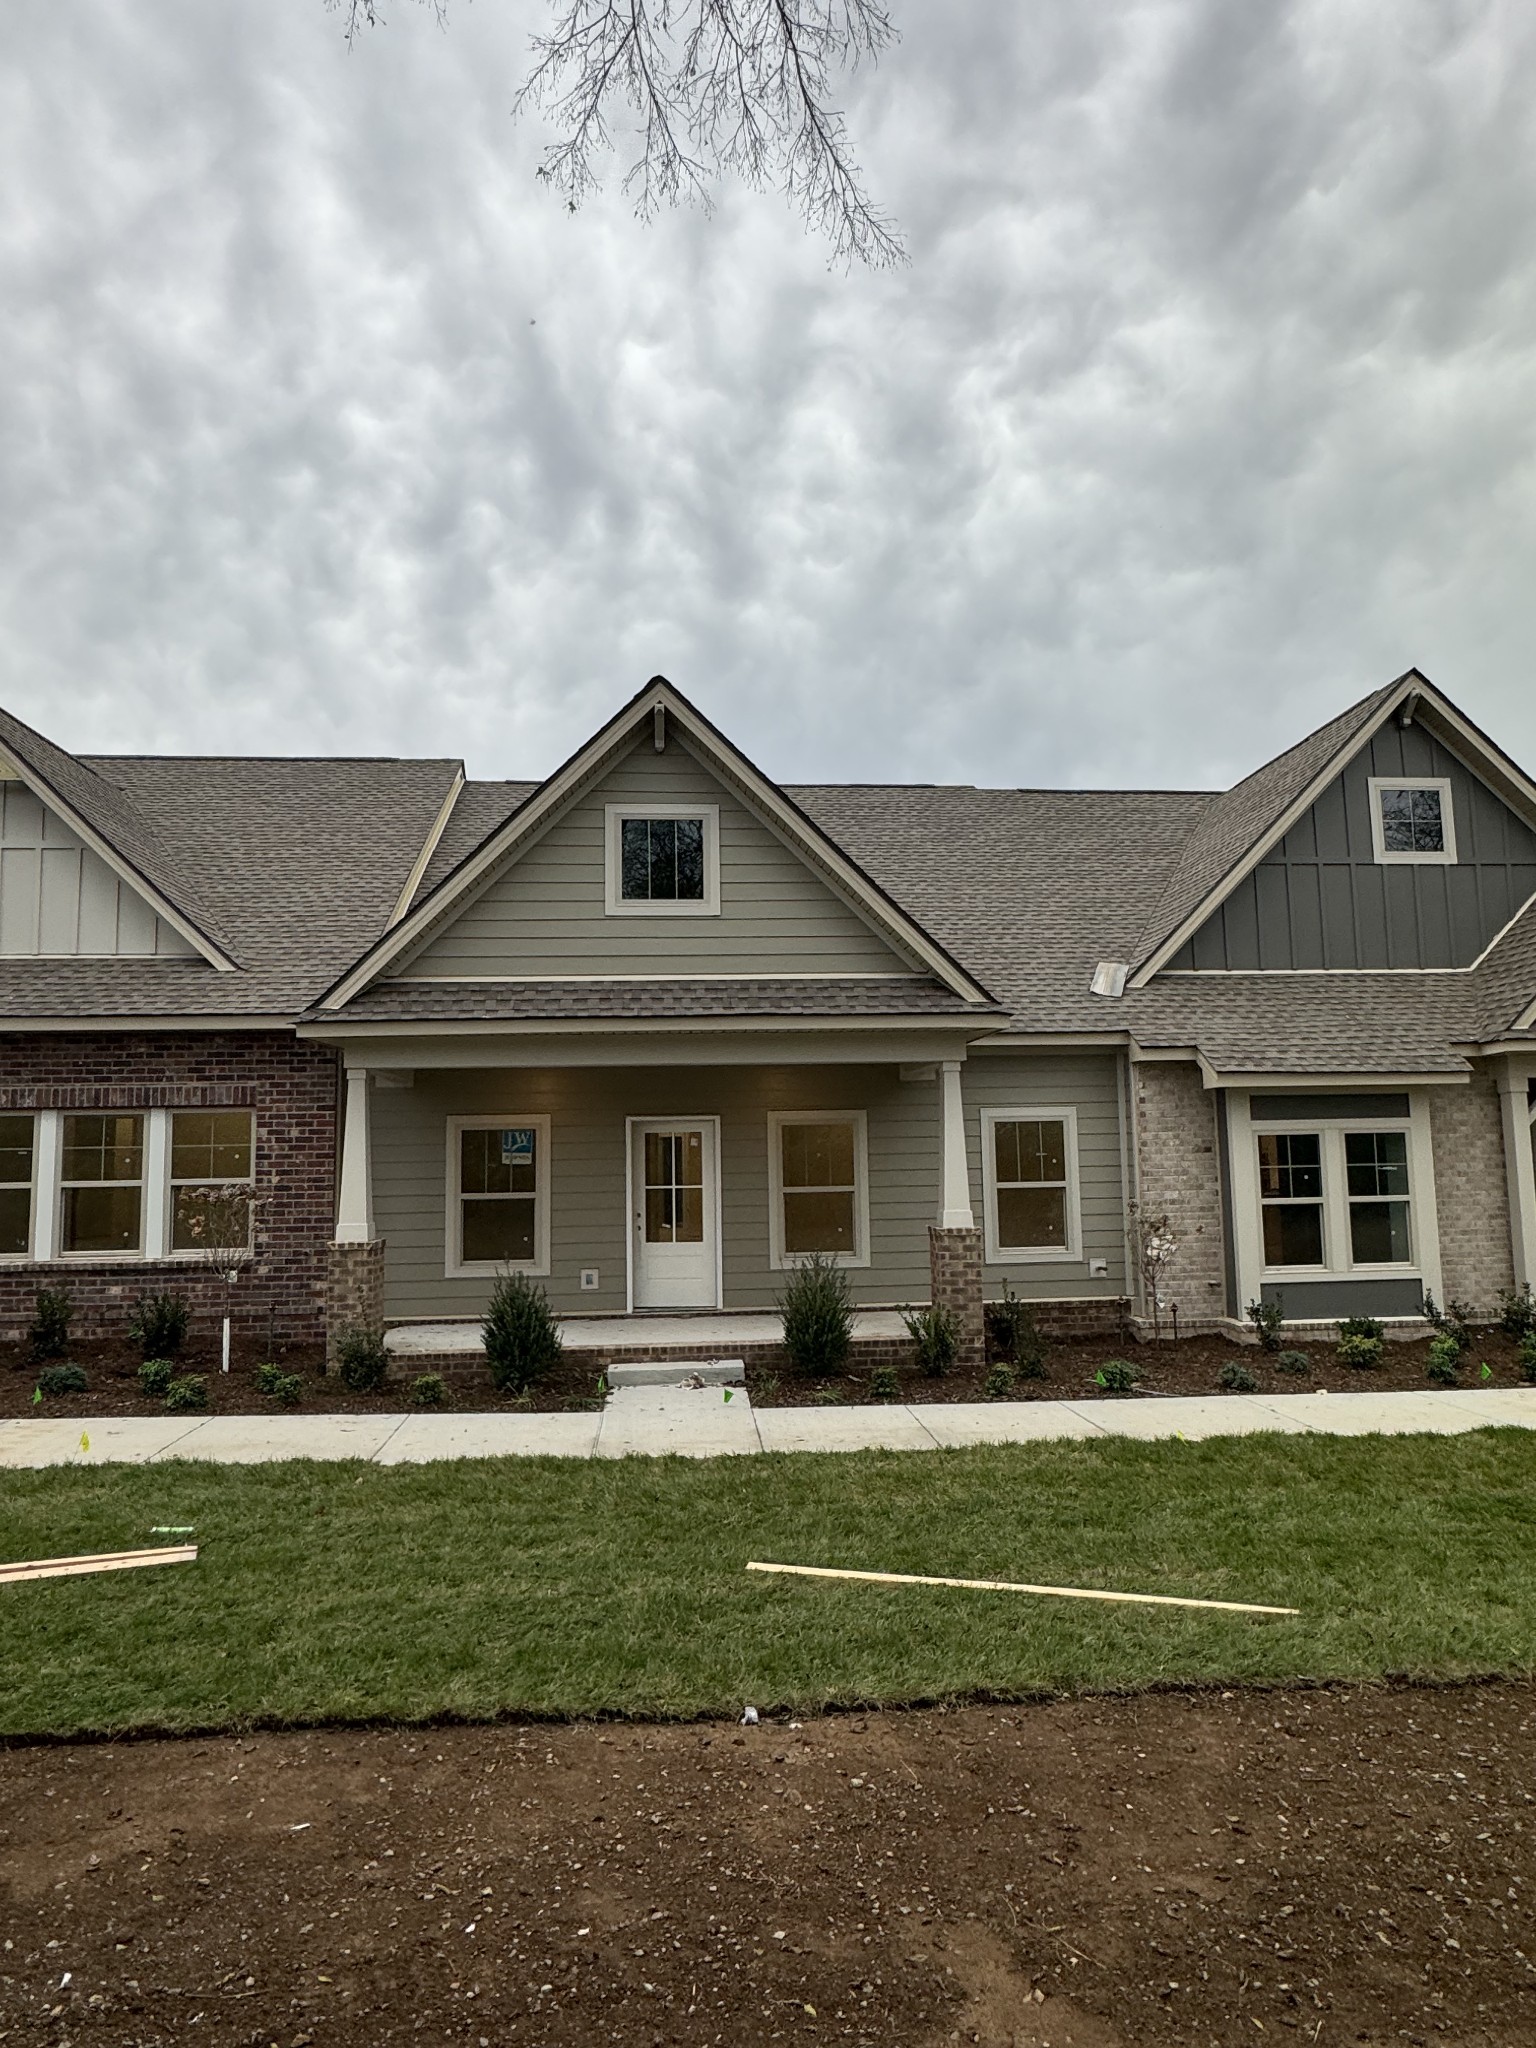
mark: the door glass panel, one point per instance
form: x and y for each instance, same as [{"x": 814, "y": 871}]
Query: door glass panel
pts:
[{"x": 674, "y": 1187}]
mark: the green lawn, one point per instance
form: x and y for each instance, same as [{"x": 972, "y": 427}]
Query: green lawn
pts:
[{"x": 564, "y": 1587}]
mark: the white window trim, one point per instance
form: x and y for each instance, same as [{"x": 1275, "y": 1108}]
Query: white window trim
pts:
[
  {"x": 617, "y": 904},
  {"x": 26, "y": 1258},
  {"x": 455, "y": 1267},
  {"x": 778, "y": 1119},
  {"x": 1445, "y": 859},
  {"x": 54, "y": 1194},
  {"x": 1247, "y": 1219},
  {"x": 191, "y": 1255},
  {"x": 998, "y": 1254}
]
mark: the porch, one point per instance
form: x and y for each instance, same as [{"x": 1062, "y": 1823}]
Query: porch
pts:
[{"x": 753, "y": 1337}]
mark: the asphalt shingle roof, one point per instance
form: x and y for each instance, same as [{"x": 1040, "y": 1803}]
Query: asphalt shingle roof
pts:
[{"x": 629, "y": 1001}]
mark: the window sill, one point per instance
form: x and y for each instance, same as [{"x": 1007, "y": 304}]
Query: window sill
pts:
[
  {"x": 664, "y": 909},
  {"x": 490, "y": 1268},
  {"x": 1282, "y": 1273},
  {"x": 796, "y": 1262},
  {"x": 1028, "y": 1255}
]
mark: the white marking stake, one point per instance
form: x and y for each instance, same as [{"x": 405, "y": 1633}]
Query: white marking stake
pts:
[
  {"x": 108, "y": 1561},
  {"x": 820, "y": 1571}
]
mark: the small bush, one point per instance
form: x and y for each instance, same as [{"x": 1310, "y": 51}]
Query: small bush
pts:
[
  {"x": 188, "y": 1395},
  {"x": 155, "y": 1375},
  {"x": 1454, "y": 1321},
  {"x": 159, "y": 1324},
  {"x": 1266, "y": 1318},
  {"x": 1000, "y": 1381},
  {"x": 1444, "y": 1350},
  {"x": 818, "y": 1316},
  {"x": 48, "y": 1336},
  {"x": 827, "y": 1397},
  {"x": 935, "y": 1335},
  {"x": 1237, "y": 1379},
  {"x": 55, "y": 1380},
  {"x": 430, "y": 1390},
  {"x": 1359, "y": 1351},
  {"x": 361, "y": 1359},
  {"x": 1012, "y": 1338},
  {"x": 1517, "y": 1313},
  {"x": 1294, "y": 1362},
  {"x": 883, "y": 1384},
  {"x": 1362, "y": 1326},
  {"x": 267, "y": 1377},
  {"x": 1118, "y": 1376},
  {"x": 522, "y": 1338},
  {"x": 287, "y": 1390},
  {"x": 1441, "y": 1369},
  {"x": 1528, "y": 1357}
]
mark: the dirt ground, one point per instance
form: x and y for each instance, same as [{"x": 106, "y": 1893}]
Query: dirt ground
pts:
[
  {"x": 1192, "y": 1366},
  {"x": 1326, "y": 1866}
]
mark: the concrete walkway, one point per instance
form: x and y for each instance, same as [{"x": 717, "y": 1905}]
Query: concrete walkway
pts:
[{"x": 714, "y": 1422}]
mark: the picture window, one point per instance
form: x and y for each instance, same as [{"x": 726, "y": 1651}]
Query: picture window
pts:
[
  {"x": 1412, "y": 821},
  {"x": 663, "y": 863}
]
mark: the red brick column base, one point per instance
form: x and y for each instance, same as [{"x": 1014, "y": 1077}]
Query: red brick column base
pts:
[
  {"x": 954, "y": 1264},
  {"x": 354, "y": 1291}
]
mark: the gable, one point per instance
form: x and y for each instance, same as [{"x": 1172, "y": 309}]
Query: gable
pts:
[
  {"x": 545, "y": 914},
  {"x": 59, "y": 899},
  {"x": 1320, "y": 898}
]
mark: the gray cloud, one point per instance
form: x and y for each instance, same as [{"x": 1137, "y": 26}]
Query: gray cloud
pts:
[{"x": 1205, "y": 405}]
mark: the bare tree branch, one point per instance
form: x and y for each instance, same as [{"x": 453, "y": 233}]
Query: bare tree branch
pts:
[{"x": 715, "y": 86}]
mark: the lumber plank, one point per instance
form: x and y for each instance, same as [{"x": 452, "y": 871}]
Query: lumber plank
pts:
[
  {"x": 105, "y": 1561},
  {"x": 821, "y": 1571}
]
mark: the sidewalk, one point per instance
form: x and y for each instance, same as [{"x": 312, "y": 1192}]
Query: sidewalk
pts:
[{"x": 703, "y": 1423}]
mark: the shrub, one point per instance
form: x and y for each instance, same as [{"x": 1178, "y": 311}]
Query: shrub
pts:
[
  {"x": 267, "y": 1377},
  {"x": 883, "y": 1384},
  {"x": 1517, "y": 1313},
  {"x": 55, "y": 1380},
  {"x": 49, "y": 1335},
  {"x": 187, "y": 1395},
  {"x": 430, "y": 1390},
  {"x": 1012, "y": 1338},
  {"x": 287, "y": 1390},
  {"x": 818, "y": 1316},
  {"x": 155, "y": 1375},
  {"x": 999, "y": 1381},
  {"x": 1441, "y": 1369},
  {"x": 1117, "y": 1376},
  {"x": 1454, "y": 1321},
  {"x": 1528, "y": 1357},
  {"x": 935, "y": 1335},
  {"x": 1237, "y": 1379},
  {"x": 1266, "y": 1318},
  {"x": 522, "y": 1338},
  {"x": 158, "y": 1324},
  {"x": 1362, "y": 1326},
  {"x": 1294, "y": 1361},
  {"x": 1359, "y": 1351},
  {"x": 361, "y": 1358},
  {"x": 827, "y": 1397}
]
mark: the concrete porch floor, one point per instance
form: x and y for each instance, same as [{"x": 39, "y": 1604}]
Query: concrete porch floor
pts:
[{"x": 711, "y": 1335}]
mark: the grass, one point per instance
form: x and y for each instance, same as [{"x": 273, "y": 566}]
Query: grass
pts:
[{"x": 557, "y": 1587}]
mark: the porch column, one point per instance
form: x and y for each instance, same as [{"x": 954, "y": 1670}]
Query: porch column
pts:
[
  {"x": 954, "y": 1242},
  {"x": 354, "y": 1289},
  {"x": 354, "y": 1197},
  {"x": 1520, "y": 1161}
]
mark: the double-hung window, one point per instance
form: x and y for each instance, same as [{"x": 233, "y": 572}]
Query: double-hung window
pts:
[
  {"x": 663, "y": 862},
  {"x": 17, "y": 1151},
  {"x": 498, "y": 1180},
  {"x": 1336, "y": 1199},
  {"x": 210, "y": 1173},
  {"x": 101, "y": 1184},
  {"x": 1029, "y": 1177},
  {"x": 819, "y": 1182}
]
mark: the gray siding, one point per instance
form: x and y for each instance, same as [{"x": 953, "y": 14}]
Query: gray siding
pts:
[
  {"x": 1321, "y": 899},
  {"x": 58, "y": 898},
  {"x": 588, "y": 1224},
  {"x": 546, "y": 914}
]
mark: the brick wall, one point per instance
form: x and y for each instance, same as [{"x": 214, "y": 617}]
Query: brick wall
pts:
[
  {"x": 354, "y": 1290},
  {"x": 1178, "y": 1176},
  {"x": 954, "y": 1265},
  {"x": 1471, "y": 1192},
  {"x": 292, "y": 1089}
]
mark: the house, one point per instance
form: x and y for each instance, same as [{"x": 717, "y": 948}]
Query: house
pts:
[{"x": 655, "y": 1028}]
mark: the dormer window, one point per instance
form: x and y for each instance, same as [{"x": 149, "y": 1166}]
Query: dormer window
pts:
[
  {"x": 663, "y": 862},
  {"x": 1411, "y": 820}
]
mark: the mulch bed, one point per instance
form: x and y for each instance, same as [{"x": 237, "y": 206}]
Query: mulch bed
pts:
[
  {"x": 1319, "y": 1866},
  {"x": 1191, "y": 1366}
]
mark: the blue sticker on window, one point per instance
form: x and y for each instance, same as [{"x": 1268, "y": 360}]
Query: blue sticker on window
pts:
[{"x": 517, "y": 1148}]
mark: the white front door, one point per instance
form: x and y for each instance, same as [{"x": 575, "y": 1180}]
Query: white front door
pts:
[{"x": 672, "y": 1221}]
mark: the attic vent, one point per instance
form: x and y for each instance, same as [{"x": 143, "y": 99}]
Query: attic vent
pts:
[{"x": 1109, "y": 977}]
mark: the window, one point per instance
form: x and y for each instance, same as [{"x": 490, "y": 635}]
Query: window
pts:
[
  {"x": 15, "y": 1186},
  {"x": 1335, "y": 1199},
  {"x": 1412, "y": 820},
  {"x": 498, "y": 1174},
  {"x": 1291, "y": 1193},
  {"x": 1029, "y": 1175},
  {"x": 102, "y": 1184},
  {"x": 210, "y": 1152},
  {"x": 819, "y": 1176},
  {"x": 663, "y": 862},
  {"x": 674, "y": 1187}
]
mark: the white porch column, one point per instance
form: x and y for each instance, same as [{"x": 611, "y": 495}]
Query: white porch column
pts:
[
  {"x": 1520, "y": 1159},
  {"x": 354, "y": 1205},
  {"x": 955, "y": 1199}
]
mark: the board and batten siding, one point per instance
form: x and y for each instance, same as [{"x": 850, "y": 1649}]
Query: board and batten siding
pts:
[
  {"x": 588, "y": 1107},
  {"x": 60, "y": 899},
  {"x": 1321, "y": 899},
  {"x": 546, "y": 914}
]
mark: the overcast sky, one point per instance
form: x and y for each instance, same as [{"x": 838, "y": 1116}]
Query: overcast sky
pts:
[{"x": 1205, "y": 405}]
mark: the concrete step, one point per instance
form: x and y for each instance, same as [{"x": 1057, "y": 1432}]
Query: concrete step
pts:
[{"x": 678, "y": 1372}]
